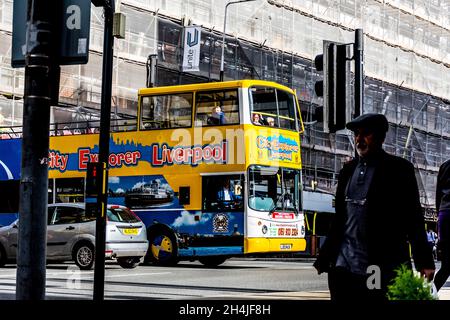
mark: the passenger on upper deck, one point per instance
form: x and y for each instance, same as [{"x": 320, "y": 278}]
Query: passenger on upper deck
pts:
[
  {"x": 270, "y": 121},
  {"x": 256, "y": 119},
  {"x": 217, "y": 116}
]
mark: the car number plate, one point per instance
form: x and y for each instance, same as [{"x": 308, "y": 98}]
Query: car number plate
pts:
[
  {"x": 130, "y": 231},
  {"x": 285, "y": 246}
]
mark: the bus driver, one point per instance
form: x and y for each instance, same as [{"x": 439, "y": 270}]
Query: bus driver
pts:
[{"x": 226, "y": 196}]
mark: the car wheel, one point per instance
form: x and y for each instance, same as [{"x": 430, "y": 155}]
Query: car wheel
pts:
[
  {"x": 2, "y": 256},
  {"x": 162, "y": 248},
  {"x": 128, "y": 262},
  {"x": 84, "y": 256},
  {"x": 212, "y": 261}
]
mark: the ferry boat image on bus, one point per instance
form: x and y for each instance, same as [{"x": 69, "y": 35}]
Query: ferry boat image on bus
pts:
[{"x": 147, "y": 194}]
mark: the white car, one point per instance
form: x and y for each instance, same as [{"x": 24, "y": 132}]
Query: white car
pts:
[{"x": 71, "y": 236}]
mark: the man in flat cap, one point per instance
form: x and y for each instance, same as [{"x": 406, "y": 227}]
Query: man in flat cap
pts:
[{"x": 378, "y": 214}]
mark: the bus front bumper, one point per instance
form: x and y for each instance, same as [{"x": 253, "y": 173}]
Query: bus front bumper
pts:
[{"x": 258, "y": 245}]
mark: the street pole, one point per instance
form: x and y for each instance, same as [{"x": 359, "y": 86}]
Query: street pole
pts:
[
  {"x": 32, "y": 233},
  {"x": 359, "y": 71},
  {"x": 151, "y": 66},
  {"x": 105, "y": 114},
  {"x": 223, "y": 37}
]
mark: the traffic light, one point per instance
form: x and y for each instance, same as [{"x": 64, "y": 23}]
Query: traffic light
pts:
[
  {"x": 334, "y": 88},
  {"x": 92, "y": 182}
]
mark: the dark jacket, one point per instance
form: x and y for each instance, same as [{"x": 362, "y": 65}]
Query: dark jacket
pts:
[
  {"x": 217, "y": 119},
  {"x": 221, "y": 195},
  {"x": 443, "y": 187},
  {"x": 394, "y": 218}
]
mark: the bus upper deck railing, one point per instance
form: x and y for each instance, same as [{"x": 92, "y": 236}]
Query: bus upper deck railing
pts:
[{"x": 71, "y": 128}]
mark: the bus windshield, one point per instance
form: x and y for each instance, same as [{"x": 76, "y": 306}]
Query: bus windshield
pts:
[
  {"x": 273, "y": 107},
  {"x": 273, "y": 188}
]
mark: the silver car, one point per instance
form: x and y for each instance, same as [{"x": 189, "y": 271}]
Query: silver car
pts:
[{"x": 71, "y": 236}]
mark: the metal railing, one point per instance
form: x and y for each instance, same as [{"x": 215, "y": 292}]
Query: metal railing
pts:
[{"x": 73, "y": 128}]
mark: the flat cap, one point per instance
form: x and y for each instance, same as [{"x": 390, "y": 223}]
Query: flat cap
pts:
[{"x": 374, "y": 122}]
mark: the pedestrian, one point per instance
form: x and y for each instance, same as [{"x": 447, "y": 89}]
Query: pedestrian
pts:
[
  {"x": 431, "y": 238},
  {"x": 443, "y": 208},
  {"x": 378, "y": 214}
]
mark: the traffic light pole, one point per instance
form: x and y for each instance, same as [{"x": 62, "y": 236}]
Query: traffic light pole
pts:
[
  {"x": 32, "y": 233},
  {"x": 100, "y": 238},
  {"x": 334, "y": 62},
  {"x": 359, "y": 71}
]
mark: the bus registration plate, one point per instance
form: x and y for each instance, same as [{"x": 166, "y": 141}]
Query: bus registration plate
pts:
[
  {"x": 130, "y": 231},
  {"x": 285, "y": 246}
]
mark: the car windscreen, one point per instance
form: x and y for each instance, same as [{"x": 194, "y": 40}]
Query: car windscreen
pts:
[{"x": 121, "y": 215}]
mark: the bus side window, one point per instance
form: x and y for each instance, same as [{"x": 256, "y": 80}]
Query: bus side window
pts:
[
  {"x": 166, "y": 111},
  {"x": 222, "y": 193},
  {"x": 184, "y": 195},
  {"x": 207, "y": 104},
  {"x": 69, "y": 190}
]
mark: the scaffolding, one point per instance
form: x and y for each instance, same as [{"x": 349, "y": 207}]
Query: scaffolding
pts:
[{"x": 407, "y": 62}]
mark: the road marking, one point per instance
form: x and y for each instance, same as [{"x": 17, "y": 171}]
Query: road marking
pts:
[
  {"x": 8, "y": 276},
  {"x": 82, "y": 273},
  {"x": 135, "y": 274},
  {"x": 115, "y": 275}
]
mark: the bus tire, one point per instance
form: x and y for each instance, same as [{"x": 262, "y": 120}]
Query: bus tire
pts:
[
  {"x": 2, "y": 256},
  {"x": 162, "y": 248},
  {"x": 213, "y": 261},
  {"x": 84, "y": 255}
]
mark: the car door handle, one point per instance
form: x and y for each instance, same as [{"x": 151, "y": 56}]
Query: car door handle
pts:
[{"x": 70, "y": 228}]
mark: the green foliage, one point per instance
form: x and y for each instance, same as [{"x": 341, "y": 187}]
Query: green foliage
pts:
[{"x": 408, "y": 286}]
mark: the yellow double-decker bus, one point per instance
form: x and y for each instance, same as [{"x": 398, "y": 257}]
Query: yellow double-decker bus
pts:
[{"x": 212, "y": 169}]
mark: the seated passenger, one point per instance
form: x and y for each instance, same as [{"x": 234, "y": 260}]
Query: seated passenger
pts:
[
  {"x": 217, "y": 116},
  {"x": 270, "y": 121},
  {"x": 256, "y": 119}
]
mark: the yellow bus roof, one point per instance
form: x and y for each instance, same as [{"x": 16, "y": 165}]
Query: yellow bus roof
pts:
[{"x": 214, "y": 85}]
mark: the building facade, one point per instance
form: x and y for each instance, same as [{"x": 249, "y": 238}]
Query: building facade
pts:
[{"x": 406, "y": 53}]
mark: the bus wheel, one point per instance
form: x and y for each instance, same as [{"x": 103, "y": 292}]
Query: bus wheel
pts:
[
  {"x": 162, "y": 248},
  {"x": 212, "y": 261}
]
